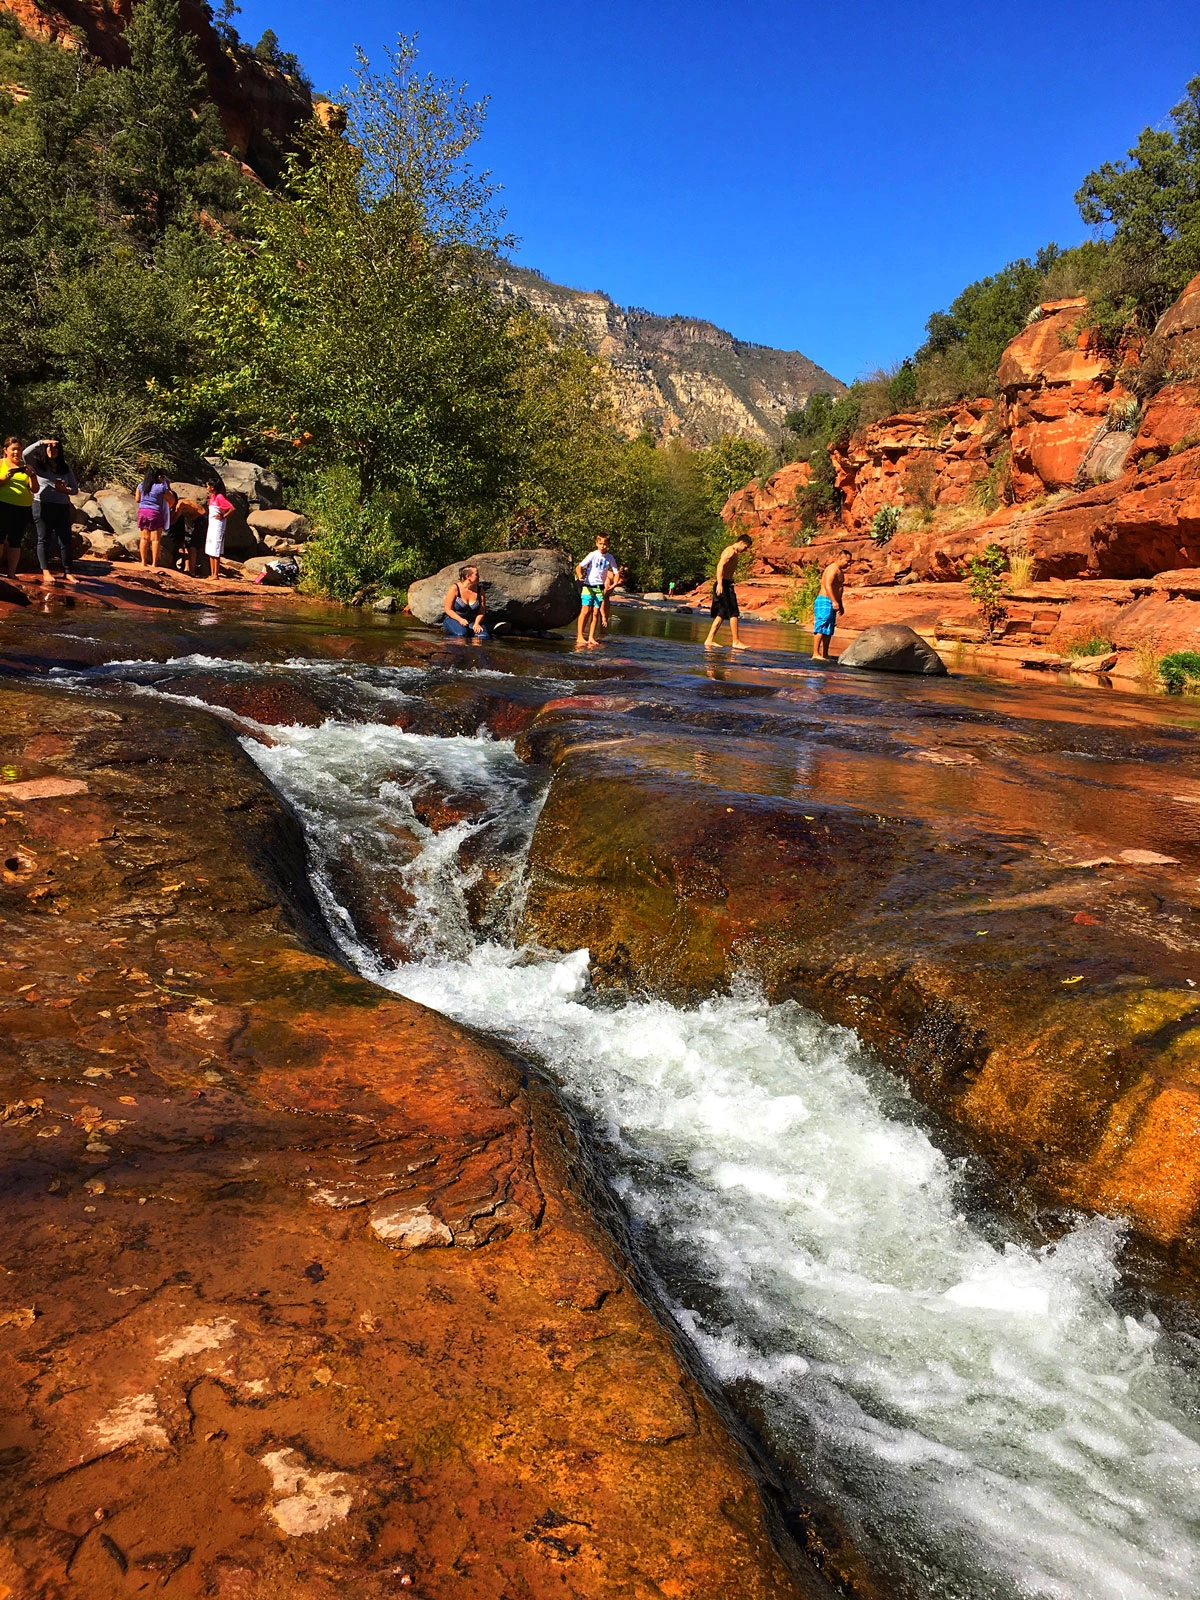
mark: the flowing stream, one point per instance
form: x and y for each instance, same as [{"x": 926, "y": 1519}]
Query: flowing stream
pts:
[{"x": 984, "y": 1419}]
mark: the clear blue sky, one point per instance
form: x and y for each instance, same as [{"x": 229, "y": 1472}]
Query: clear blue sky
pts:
[{"x": 818, "y": 177}]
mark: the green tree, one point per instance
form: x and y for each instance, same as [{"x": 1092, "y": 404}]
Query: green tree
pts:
[
  {"x": 729, "y": 464},
  {"x": 1149, "y": 206},
  {"x": 166, "y": 130}
]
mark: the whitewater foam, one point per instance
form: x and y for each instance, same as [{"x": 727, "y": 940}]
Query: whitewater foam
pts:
[{"x": 984, "y": 1420}]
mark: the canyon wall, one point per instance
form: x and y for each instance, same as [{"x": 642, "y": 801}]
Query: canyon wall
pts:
[
  {"x": 260, "y": 107},
  {"x": 678, "y": 377},
  {"x": 1062, "y": 464}
]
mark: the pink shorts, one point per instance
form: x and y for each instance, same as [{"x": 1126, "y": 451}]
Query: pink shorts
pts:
[{"x": 150, "y": 521}]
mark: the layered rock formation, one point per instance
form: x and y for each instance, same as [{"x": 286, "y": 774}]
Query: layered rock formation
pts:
[
  {"x": 679, "y": 377},
  {"x": 260, "y": 107},
  {"x": 1082, "y": 481}
]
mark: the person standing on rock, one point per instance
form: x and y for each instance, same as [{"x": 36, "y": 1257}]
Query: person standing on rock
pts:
[
  {"x": 219, "y": 511},
  {"x": 593, "y": 572},
  {"x": 152, "y": 515},
  {"x": 52, "y": 505},
  {"x": 16, "y": 503},
  {"x": 828, "y": 607},
  {"x": 724, "y": 607}
]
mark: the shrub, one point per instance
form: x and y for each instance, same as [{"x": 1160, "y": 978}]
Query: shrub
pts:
[
  {"x": 1021, "y": 566},
  {"x": 1092, "y": 645},
  {"x": 984, "y": 575},
  {"x": 1188, "y": 442},
  {"x": 995, "y": 488},
  {"x": 798, "y": 606},
  {"x": 1179, "y": 672},
  {"x": 105, "y": 437},
  {"x": 1124, "y": 416},
  {"x": 359, "y": 541},
  {"x": 884, "y": 523}
]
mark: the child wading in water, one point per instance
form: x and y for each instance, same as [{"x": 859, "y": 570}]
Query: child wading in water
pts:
[
  {"x": 828, "y": 607},
  {"x": 724, "y": 606},
  {"x": 597, "y": 572}
]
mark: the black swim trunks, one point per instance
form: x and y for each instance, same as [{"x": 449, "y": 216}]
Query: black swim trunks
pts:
[{"x": 724, "y": 603}]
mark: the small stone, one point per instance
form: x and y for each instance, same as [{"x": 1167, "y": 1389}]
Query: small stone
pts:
[{"x": 403, "y": 1226}]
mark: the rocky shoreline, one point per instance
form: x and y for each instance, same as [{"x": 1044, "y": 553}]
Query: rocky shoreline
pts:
[{"x": 299, "y": 1287}]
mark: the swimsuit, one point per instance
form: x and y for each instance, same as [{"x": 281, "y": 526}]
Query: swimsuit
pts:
[
  {"x": 824, "y": 616},
  {"x": 724, "y": 602},
  {"x": 462, "y": 624},
  {"x": 594, "y": 567}
]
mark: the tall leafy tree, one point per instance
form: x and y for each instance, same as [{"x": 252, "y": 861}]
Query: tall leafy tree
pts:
[{"x": 1149, "y": 206}]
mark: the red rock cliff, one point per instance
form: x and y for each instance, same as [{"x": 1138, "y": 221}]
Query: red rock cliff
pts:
[
  {"x": 1051, "y": 466},
  {"x": 260, "y": 107}
]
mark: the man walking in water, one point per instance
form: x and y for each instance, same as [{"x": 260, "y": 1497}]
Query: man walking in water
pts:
[
  {"x": 828, "y": 607},
  {"x": 724, "y": 606},
  {"x": 597, "y": 572}
]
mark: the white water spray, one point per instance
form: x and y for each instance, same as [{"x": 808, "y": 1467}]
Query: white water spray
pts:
[{"x": 984, "y": 1420}]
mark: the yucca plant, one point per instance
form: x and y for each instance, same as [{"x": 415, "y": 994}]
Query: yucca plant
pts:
[{"x": 105, "y": 437}]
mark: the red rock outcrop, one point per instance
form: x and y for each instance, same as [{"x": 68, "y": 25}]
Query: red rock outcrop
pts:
[
  {"x": 298, "y": 1295},
  {"x": 1087, "y": 497},
  {"x": 260, "y": 107}
]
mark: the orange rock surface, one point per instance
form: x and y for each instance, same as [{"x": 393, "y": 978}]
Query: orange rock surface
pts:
[{"x": 298, "y": 1296}]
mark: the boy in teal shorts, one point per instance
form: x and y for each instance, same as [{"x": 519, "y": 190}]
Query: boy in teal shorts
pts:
[{"x": 594, "y": 573}]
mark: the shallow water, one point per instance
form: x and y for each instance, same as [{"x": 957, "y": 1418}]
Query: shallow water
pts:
[{"x": 983, "y": 1418}]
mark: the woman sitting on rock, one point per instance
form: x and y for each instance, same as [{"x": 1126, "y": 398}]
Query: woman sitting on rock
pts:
[
  {"x": 52, "y": 505},
  {"x": 464, "y": 610},
  {"x": 16, "y": 503},
  {"x": 152, "y": 514}
]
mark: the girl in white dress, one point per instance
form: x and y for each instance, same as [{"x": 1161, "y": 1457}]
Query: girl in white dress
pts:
[{"x": 214, "y": 545}]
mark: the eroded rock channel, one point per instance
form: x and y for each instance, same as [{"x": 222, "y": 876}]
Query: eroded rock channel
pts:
[{"x": 862, "y": 1014}]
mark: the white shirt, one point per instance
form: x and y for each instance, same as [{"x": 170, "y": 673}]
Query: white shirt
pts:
[{"x": 595, "y": 566}]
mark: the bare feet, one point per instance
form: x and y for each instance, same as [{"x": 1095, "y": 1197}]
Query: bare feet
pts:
[
  {"x": 48, "y": 579},
  {"x": 71, "y": 578},
  {"x": 739, "y": 647}
]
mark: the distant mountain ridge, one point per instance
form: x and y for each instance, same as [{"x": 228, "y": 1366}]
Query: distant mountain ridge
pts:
[{"x": 678, "y": 377}]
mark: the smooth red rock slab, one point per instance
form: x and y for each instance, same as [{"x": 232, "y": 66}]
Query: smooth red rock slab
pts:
[
  {"x": 222, "y": 1372},
  {"x": 1051, "y": 1043},
  {"x": 43, "y": 789}
]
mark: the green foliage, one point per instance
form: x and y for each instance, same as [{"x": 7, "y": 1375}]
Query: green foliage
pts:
[
  {"x": 984, "y": 575},
  {"x": 1093, "y": 645},
  {"x": 730, "y": 464},
  {"x": 798, "y": 607},
  {"x": 884, "y": 523},
  {"x": 902, "y": 388},
  {"x": 994, "y": 489},
  {"x": 1179, "y": 672},
  {"x": 1149, "y": 207},
  {"x": 361, "y": 539},
  {"x": 105, "y": 437}
]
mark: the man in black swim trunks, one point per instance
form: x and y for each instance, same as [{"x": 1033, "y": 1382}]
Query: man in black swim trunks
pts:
[{"x": 724, "y": 606}]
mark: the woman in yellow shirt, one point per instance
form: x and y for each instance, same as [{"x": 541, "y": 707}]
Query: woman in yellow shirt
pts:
[{"x": 16, "y": 503}]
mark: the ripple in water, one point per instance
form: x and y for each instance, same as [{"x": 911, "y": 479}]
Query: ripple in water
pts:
[{"x": 983, "y": 1418}]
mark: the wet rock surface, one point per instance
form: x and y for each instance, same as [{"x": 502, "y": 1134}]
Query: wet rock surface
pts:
[{"x": 298, "y": 1295}]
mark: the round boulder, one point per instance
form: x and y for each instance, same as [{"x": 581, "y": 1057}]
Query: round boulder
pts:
[
  {"x": 531, "y": 590},
  {"x": 892, "y": 647}
]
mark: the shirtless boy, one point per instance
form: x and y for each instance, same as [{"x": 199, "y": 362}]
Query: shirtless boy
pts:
[
  {"x": 597, "y": 572},
  {"x": 724, "y": 606},
  {"x": 828, "y": 607}
]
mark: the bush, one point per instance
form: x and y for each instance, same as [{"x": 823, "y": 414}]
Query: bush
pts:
[
  {"x": 984, "y": 575},
  {"x": 1092, "y": 645},
  {"x": 360, "y": 542},
  {"x": 798, "y": 606},
  {"x": 1179, "y": 672},
  {"x": 105, "y": 437},
  {"x": 884, "y": 523}
]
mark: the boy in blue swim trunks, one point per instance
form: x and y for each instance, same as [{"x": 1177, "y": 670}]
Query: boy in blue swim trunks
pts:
[
  {"x": 828, "y": 607},
  {"x": 597, "y": 572}
]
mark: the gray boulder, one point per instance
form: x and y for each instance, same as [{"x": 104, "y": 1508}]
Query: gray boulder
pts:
[
  {"x": 119, "y": 509},
  {"x": 261, "y": 487},
  {"x": 531, "y": 590},
  {"x": 892, "y": 647},
  {"x": 280, "y": 524}
]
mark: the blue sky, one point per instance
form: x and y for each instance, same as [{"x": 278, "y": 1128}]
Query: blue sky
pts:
[{"x": 818, "y": 177}]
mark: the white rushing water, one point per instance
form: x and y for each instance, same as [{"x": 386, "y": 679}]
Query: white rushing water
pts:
[{"x": 984, "y": 1420}]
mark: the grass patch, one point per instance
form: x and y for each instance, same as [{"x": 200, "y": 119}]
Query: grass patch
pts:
[
  {"x": 1020, "y": 569},
  {"x": 798, "y": 607},
  {"x": 1092, "y": 645},
  {"x": 1179, "y": 672}
]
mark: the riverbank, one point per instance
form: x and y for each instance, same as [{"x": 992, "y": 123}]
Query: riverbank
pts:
[{"x": 299, "y": 1285}]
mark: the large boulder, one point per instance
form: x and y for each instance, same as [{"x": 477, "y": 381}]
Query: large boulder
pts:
[
  {"x": 119, "y": 509},
  {"x": 261, "y": 487},
  {"x": 531, "y": 590},
  {"x": 280, "y": 524},
  {"x": 893, "y": 647}
]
